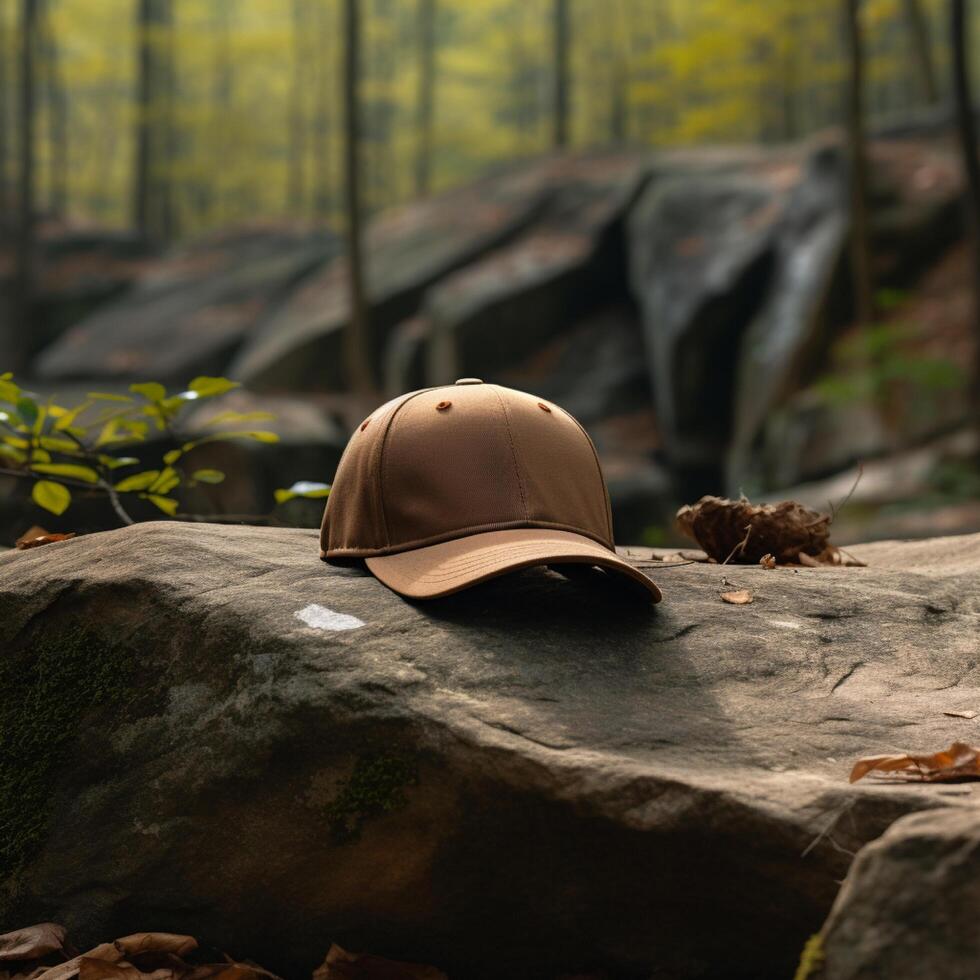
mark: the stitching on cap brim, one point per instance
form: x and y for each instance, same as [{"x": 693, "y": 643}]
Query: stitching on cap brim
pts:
[{"x": 426, "y": 573}]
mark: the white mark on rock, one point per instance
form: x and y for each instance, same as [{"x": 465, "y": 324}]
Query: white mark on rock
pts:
[
  {"x": 321, "y": 618},
  {"x": 787, "y": 624}
]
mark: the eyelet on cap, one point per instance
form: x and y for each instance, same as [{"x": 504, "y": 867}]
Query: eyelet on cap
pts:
[
  {"x": 364, "y": 424},
  {"x": 442, "y": 406},
  {"x": 543, "y": 407}
]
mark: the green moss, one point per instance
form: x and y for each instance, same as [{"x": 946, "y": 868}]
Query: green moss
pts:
[
  {"x": 376, "y": 786},
  {"x": 811, "y": 960},
  {"x": 48, "y": 687}
]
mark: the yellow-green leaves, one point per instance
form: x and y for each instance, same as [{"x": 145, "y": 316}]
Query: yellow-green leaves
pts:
[
  {"x": 205, "y": 387},
  {"x": 51, "y": 496},
  {"x": 150, "y": 390},
  {"x": 167, "y": 504},
  {"x": 71, "y": 470},
  {"x": 208, "y": 476},
  {"x": 138, "y": 481},
  {"x": 304, "y": 488}
]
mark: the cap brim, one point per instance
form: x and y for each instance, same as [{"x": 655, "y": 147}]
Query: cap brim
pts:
[{"x": 441, "y": 569}]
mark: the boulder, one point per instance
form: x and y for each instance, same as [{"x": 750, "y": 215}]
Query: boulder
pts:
[
  {"x": 909, "y": 904},
  {"x": 407, "y": 250},
  {"x": 569, "y": 264},
  {"x": 207, "y": 730},
  {"x": 190, "y": 311}
]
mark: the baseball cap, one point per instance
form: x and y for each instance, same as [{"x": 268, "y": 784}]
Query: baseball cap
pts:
[{"x": 446, "y": 487}]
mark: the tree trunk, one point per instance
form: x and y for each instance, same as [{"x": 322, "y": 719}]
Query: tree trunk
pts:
[
  {"x": 153, "y": 204},
  {"x": 20, "y": 325},
  {"x": 323, "y": 190},
  {"x": 356, "y": 347},
  {"x": 425, "y": 96},
  {"x": 57, "y": 101},
  {"x": 860, "y": 239},
  {"x": 561, "y": 35},
  {"x": 966, "y": 128},
  {"x": 5, "y": 114},
  {"x": 296, "y": 173},
  {"x": 918, "y": 28}
]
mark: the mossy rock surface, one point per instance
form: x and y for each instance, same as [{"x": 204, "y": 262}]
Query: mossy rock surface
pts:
[{"x": 529, "y": 778}]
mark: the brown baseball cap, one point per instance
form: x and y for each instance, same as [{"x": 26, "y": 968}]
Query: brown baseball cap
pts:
[{"x": 443, "y": 488}]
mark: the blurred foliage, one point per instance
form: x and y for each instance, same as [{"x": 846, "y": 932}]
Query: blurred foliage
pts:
[
  {"x": 256, "y": 103},
  {"x": 880, "y": 361},
  {"x": 89, "y": 446}
]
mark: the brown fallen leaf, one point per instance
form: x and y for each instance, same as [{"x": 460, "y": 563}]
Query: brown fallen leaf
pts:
[
  {"x": 24, "y": 542},
  {"x": 32, "y": 943},
  {"x": 341, "y": 965},
  {"x": 742, "y": 532},
  {"x": 155, "y": 942},
  {"x": 767, "y": 561},
  {"x": 959, "y": 761},
  {"x": 740, "y": 597},
  {"x": 960, "y": 714},
  {"x": 69, "y": 969}
]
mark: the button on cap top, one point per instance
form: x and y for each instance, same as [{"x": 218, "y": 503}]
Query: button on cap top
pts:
[{"x": 468, "y": 381}]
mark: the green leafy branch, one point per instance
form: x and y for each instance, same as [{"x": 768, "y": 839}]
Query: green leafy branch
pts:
[{"x": 88, "y": 446}]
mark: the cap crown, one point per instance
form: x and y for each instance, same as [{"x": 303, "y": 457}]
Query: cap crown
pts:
[{"x": 447, "y": 462}]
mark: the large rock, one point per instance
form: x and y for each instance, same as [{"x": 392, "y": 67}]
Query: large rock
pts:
[
  {"x": 207, "y": 730},
  {"x": 407, "y": 250},
  {"x": 908, "y": 908},
  {"x": 191, "y": 311}
]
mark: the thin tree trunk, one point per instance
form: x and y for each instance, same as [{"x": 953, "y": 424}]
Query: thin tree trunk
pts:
[
  {"x": 5, "y": 114},
  {"x": 25, "y": 243},
  {"x": 860, "y": 243},
  {"x": 356, "y": 347},
  {"x": 966, "y": 127},
  {"x": 153, "y": 204},
  {"x": 296, "y": 179},
  {"x": 425, "y": 96},
  {"x": 562, "y": 31},
  {"x": 322, "y": 151},
  {"x": 918, "y": 28},
  {"x": 57, "y": 100}
]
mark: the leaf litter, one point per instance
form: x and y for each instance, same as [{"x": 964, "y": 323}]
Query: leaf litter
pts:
[
  {"x": 959, "y": 762},
  {"x": 42, "y": 952}
]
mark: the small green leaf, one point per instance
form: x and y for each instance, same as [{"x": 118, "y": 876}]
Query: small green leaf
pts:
[
  {"x": 66, "y": 418},
  {"x": 28, "y": 410},
  {"x": 58, "y": 445},
  {"x": 6, "y": 376},
  {"x": 151, "y": 390},
  {"x": 171, "y": 457},
  {"x": 16, "y": 442},
  {"x": 138, "y": 481},
  {"x": 208, "y": 476},
  {"x": 40, "y": 456},
  {"x": 115, "y": 462},
  {"x": 167, "y": 504},
  {"x": 9, "y": 392},
  {"x": 85, "y": 473},
  {"x": 105, "y": 396},
  {"x": 206, "y": 387},
  {"x": 51, "y": 496},
  {"x": 304, "y": 488},
  {"x": 166, "y": 481},
  {"x": 8, "y": 452}
]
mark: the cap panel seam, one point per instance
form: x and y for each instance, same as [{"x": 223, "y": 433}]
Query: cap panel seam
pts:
[
  {"x": 381, "y": 459},
  {"x": 513, "y": 453}
]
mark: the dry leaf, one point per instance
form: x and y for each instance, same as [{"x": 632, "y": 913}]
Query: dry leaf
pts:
[
  {"x": 69, "y": 969},
  {"x": 960, "y": 714},
  {"x": 740, "y": 597},
  {"x": 959, "y": 761},
  {"x": 341, "y": 965},
  {"x": 767, "y": 561},
  {"x": 32, "y": 943},
  {"x": 24, "y": 542},
  {"x": 156, "y": 942},
  {"x": 742, "y": 533}
]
